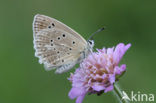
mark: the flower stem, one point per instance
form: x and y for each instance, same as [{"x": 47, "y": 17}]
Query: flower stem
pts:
[{"x": 118, "y": 93}]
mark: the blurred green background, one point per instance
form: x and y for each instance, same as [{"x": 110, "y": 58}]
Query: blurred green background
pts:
[{"x": 24, "y": 80}]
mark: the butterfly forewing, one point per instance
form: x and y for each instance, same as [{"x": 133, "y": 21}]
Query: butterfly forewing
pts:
[{"x": 43, "y": 22}]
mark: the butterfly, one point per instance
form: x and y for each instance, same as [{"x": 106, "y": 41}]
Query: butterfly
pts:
[{"x": 58, "y": 46}]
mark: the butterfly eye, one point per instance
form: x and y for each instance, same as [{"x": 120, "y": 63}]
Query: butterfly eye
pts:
[{"x": 90, "y": 42}]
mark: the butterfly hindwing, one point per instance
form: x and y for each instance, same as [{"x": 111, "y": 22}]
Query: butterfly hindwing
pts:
[
  {"x": 54, "y": 49},
  {"x": 65, "y": 67}
]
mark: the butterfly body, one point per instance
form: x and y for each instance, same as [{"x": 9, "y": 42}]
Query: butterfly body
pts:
[{"x": 58, "y": 46}]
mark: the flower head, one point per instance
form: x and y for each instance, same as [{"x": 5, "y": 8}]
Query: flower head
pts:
[{"x": 98, "y": 72}]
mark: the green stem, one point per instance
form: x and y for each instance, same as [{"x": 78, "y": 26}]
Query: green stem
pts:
[{"x": 118, "y": 93}]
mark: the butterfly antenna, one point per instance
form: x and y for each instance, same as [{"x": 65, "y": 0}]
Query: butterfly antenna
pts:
[{"x": 99, "y": 30}]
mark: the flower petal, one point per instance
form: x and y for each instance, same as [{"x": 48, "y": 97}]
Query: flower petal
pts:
[
  {"x": 110, "y": 88},
  {"x": 98, "y": 87},
  {"x": 119, "y": 52},
  {"x": 101, "y": 50},
  {"x": 75, "y": 92},
  {"x": 110, "y": 51},
  {"x": 123, "y": 67},
  {"x": 119, "y": 70},
  {"x": 80, "y": 98},
  {"x": 111, "y": 78}
]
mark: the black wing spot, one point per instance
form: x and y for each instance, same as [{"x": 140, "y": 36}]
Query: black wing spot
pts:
[
  {"x": 51, "y": 44},
  {"x": 62, "y": 60},
  {"x": 63, "y": 35},
  {"x": 73, "y": 42},
  {"x": 54, "y": 49},
  {"x": 58, "y": 38},
  {"x": 49, "y": 27},
  {"x": 70, "y": 48},
  {"x": 53, "y": 24},
  {"x": 58, "y": 52},
  {"x": 51, "y": 40}
]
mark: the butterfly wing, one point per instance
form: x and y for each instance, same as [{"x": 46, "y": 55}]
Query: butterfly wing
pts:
[
  {"x": 43, "y": 22},
  {"x": 65, "y": 67},
  {"x": 57, "y": 48}
]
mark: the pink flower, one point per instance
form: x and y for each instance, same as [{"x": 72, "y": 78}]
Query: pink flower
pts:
[{"x": 98, "y": 72}]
